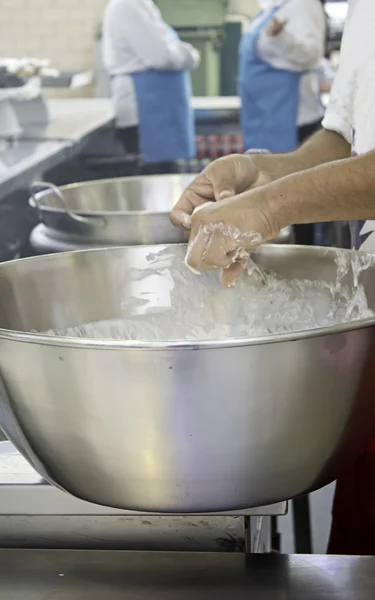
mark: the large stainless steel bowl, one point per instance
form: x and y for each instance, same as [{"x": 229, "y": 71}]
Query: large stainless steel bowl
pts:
[
  {"x": 126, "y": 211},
  {"x": 185, "y": 427}
]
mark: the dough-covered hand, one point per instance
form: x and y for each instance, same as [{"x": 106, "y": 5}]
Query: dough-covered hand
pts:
[
  {"x": 222, "y": 179},
  {"x": 224, "y": 234}
]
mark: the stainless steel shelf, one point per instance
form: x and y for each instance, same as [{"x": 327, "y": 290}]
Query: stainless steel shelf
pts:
[{"x": 74, "y": 123}]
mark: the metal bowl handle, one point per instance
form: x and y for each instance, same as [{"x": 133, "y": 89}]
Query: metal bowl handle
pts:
[{"x": 44, "y": 185}]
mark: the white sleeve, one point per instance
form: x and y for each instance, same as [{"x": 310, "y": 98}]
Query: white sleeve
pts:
[
  {"x": 300, "y": 46},
  {"x": 339, "y": 113},
  {"x": 150, "y": 39},
  {"x": 337, "y": 116}
]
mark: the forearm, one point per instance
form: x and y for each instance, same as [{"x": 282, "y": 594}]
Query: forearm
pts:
[
  {"x": 294, "y": 53},
  {"x": 323, "y": 147},
  {"x": 151, "y": 40},
  {"x": 184, "y": 57},
  {"x": 339, "y": 191}
]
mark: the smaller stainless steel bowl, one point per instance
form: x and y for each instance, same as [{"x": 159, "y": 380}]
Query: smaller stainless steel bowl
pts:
[{"x": 127, "y": 211}]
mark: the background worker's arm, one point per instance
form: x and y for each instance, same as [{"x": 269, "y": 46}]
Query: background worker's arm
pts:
[
  {"x": 299, "y": 43},
  {"x": 139, "y": 26}
]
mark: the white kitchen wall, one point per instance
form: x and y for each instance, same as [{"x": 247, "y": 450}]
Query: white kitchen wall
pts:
[
  {"x": 60, "y": 30},
  {"x": 247, "y": 8}
]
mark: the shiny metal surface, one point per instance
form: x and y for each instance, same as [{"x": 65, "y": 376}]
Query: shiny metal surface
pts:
[
  {"x": 18, "y": 478},
  {"x": 34, "y": 514},
  {"x": 21, "y": 160},
  {"x": 122, "y": 211},
  {"x": 45, "y": 241},
  {"x": 72, "y": 575},
  {"x": 76, "y": 120},
  {"x": 202, "y": 426},
  {"x": 112, "y": 212}
]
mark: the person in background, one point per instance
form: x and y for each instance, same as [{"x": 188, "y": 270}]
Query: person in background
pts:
[
  {"x": 278, "y": 78},
  {"x": 148, "y": 67},
  {"x": 330, "y": 178}
]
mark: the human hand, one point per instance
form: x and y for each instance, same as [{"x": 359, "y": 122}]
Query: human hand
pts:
[
  {"x": 195, "y": 55},
  {"x": 275, "y": 27},
  {"x": 224, "y": 234},
  {"x": 222, "y": 179}
]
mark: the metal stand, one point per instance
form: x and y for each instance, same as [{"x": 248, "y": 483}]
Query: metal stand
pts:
[
  {"x": 34, "y": 514},
  {"x": 302, "y": 525}
]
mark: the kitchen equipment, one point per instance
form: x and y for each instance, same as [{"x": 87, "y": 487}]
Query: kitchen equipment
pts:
[
  {"x": 201, "y": 24},
  {"x": 184, "y": 13},
  {"x": 45, "y": 241},
  {"x": 112, "y": 212},
  {"x": 31, "y": 113},
  {"x": 9, "y": 125},
  {"x": 21, "y": 107},
  {"x": 121, "y": 211},
  {"x": 52, "y": 543},
  {"x": 185, "y": 426}
]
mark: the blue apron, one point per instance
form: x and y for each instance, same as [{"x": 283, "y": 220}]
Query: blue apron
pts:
[
  {"x": 166, "y": 118},
  {"x": 269, "y": 96}
]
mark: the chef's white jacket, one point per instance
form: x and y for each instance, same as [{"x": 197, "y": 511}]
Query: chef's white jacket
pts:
[
  {"x": 135, "y": 38},
  {"x": 300, "y": 47}
]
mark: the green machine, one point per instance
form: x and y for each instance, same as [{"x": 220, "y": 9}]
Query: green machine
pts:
[{"x": 201, "y": 23}]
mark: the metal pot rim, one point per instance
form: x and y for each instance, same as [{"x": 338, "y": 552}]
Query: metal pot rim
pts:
[
  {"x": 70, "y": 342},
  {"x": 87, "y": 343},
  {"x": 99, "y": 213}
]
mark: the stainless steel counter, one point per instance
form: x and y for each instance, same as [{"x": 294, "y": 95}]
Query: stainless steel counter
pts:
[
  {"x": 74, "y": 119},
  {"x": 74, "y": 124},
  {"x": 72, "y": 575},
  {"x": 213, "y": 103},
  {"x": 220, "y": 103},
  {"x": 68, "y": 79},
  {"x": 25, "y": 160}
]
